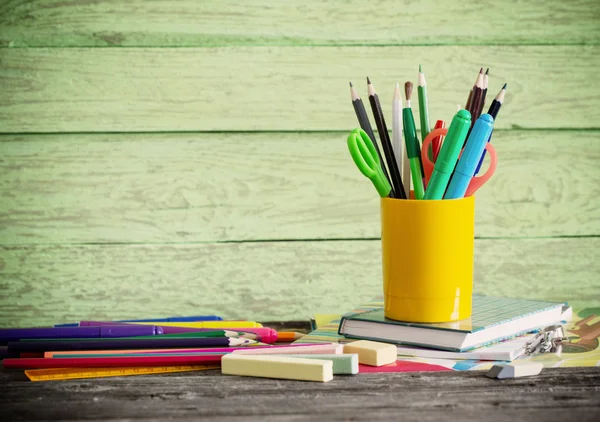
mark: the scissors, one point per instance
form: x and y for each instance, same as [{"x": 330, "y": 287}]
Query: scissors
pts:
[
  {"x": 365, "y": 157},
  {"x": 477, "y": 181}
]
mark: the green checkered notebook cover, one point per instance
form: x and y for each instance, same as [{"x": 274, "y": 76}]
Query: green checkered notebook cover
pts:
[
  {"x": 493, "y": 319},
  {"x": 487, "y": 312}
]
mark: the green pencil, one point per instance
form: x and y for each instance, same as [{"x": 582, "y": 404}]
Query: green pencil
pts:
[{"x": 423, "y": 106}]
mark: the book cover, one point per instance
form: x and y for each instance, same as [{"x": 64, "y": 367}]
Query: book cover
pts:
[{"x": 487, "y": 312}]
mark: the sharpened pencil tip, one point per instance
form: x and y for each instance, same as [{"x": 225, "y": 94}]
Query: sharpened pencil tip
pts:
[
  {"x": 420, "y": 68},
  {"x": 481, "y": 70},
  {"x": 368, "y": 80},
  {"x": 487, "y": 71},
  {"x": 504, "y": 87},
  {"x": 351, "y": 85}
]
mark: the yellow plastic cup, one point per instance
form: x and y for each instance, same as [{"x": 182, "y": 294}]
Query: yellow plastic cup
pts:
[{"x": 427, "y": 253}]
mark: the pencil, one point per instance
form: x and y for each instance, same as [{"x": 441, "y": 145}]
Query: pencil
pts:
[
  {"x": 110, "y": 362},
  {"x": 475, "y": 102},
  {"x": 468, "y": 105},
  {"x": 397, "y": 144},
  {"x": 385, "y": 142},
  {"x": 423, "y": 106},
  {"x": 365, "y": 124},
  {"x": 284, "y": 336},
  {"x": 413, "y": 148},
  {"x": 484, "y": 92},
  {"x": 492, "y": 111},
  {"x": 124, "y": 343}
]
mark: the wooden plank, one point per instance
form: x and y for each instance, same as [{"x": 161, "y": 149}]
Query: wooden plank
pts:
[
  {"x": 254, "y": 186},
  {"x": 42, "y": 285},
  {"x": 557, "y": 394},
  {"x": 48, "y": 23},
  {"x": 280, "y": 88}
]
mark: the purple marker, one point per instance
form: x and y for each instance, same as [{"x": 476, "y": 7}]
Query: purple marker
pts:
[{"x": 108, "y": 331}]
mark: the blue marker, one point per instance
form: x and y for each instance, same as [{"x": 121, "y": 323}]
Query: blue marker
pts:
[{"x": 465, "y": 169}]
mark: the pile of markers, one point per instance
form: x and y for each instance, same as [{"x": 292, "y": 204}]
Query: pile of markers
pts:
[
  {"x": 446, "y": 165},
  {"x": 111, "y": 348}
]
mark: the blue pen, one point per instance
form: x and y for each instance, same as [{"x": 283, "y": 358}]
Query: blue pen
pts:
[
  {"x": 465, "y": 169},
  {"x": 169, "y": 319}
]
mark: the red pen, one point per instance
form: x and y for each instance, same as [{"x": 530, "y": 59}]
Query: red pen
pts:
[{"x": 436, "y": 143}]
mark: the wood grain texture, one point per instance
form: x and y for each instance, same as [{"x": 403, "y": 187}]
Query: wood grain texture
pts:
[
  {"x": 173, "y": 188},
  {"x": 50, "y": 23},
  {"x": 41, "y": 285},
  {"x": 557, "y": 394},
  {"x": 281, "y": 88}
]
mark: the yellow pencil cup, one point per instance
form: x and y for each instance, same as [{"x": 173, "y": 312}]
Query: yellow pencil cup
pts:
[{"x": 427, "y": 253}]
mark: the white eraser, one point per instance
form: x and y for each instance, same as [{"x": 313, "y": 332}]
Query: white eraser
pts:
[
  {"x": 287, "y": 367},
  {"x": 373, "y": 353},
  {"x": 515, "y": 370},
  {"x": 325, "y": 349}
]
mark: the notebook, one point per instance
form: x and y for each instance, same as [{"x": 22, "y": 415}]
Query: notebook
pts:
[{"x": 493, "y": 319}]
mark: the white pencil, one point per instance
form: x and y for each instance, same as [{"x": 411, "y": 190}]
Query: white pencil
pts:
[{"x": 397, "y": 144}]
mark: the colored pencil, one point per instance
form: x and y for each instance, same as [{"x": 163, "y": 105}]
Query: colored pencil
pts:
[
  {"x": 365, "y": 124},
  {"x": 413, "y": 147},
  {"x": 39, "y": 363},
  {"x": 286, "y": 336},
  {"x": 484, "y": 92},
  {"x": 264, "y": 334},
  {"x": 470, "y": 99},
  {"x": 125, "y": 343},
  {"x": 423, "y": 105},
  {"x": 493, "y": 111},
  {"x": 398, "y": 187},
  {"x": 475, "y": 102},
  {"x": 398, "y": 144},
  {"x": 178, "y": 351}
]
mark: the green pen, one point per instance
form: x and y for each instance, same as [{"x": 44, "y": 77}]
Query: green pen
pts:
[
  {"x": 413, "y": 148},
  {"x": 423, "y": 106},
  {"x": 446, "y": 161}
]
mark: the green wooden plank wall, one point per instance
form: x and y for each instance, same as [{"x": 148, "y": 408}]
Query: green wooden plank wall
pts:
[{"x": 161, "y": 157}]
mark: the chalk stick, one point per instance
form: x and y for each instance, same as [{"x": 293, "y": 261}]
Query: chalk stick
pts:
[
  {"x": 372, "y": 353},
  {"x": 515, "y": 370},
  {"x": 268, "y": 366},
  {"x": 342, "y": 364},
  {"x": 326, "y": 349}
]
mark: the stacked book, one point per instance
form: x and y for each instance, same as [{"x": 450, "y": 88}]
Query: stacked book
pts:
[{"x": 499, "y": 329}]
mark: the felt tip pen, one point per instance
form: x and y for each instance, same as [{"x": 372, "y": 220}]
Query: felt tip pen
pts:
[
  {"x": 110, "y": 331},
  {"x": 446, "y": 161},
  {"x": 467, "y": 164}
]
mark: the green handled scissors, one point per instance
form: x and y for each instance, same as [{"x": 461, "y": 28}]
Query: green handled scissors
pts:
[{"x": 365, "y": 157}]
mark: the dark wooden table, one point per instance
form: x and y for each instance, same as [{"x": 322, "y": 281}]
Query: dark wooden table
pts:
[{"x": 561, "y": 394}]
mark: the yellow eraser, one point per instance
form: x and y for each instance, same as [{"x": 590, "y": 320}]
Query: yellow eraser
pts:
[
  {"x": 268, "y": 366},
  {"x": 372, "y": 353}
]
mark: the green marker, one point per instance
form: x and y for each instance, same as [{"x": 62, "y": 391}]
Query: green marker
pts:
[
  {"x": 413, "y": 148},
  {"x": 423, "y": 106},
  {"x": 446, "y": 161}
]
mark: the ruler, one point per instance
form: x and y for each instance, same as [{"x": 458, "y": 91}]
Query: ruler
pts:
[{"x": 59, "y": 374}]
